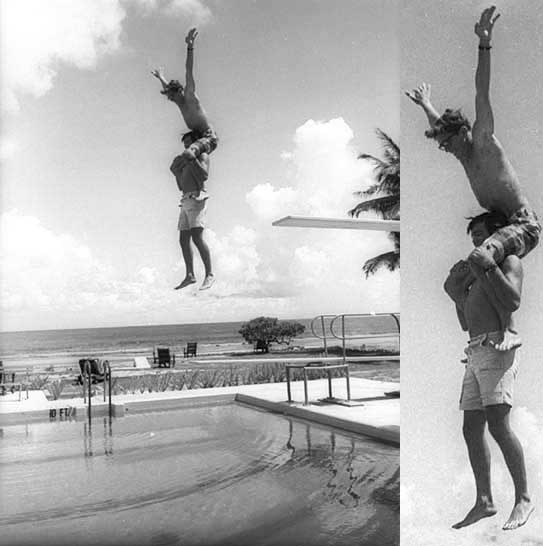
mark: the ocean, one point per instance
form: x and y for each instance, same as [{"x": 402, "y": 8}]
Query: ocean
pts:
[{"x": 61, "y": 349}]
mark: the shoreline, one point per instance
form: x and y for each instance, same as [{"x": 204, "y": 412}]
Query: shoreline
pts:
[{"x": 68, "y": 361}]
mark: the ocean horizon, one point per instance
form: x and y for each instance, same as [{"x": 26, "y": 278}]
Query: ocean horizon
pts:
[{"x": 60, "y": 349}]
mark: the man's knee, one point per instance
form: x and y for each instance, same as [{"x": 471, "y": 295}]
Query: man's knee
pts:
[
  {"x": 498, "y": 420},
  {"x": 196, "y": 233}
]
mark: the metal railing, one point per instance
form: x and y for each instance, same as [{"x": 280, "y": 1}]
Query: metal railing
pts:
[
  {"x": 343, "y": 337},
  {"x": 87, "y": 386},
  {"x": 321, "y": 319}
]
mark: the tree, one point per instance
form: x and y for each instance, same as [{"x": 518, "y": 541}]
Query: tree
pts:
[
  {"x": 265, "y": 330},
  {"x": 384, "y": 200}
]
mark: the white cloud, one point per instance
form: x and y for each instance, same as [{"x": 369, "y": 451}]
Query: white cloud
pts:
[
  {"x": 8, "y": 148},
  {"x": 269, "y": 202},
  {"x": 39, "y": 37},
  {"x": 320, "y": 269},
  {"x": 53, "y": 280}
]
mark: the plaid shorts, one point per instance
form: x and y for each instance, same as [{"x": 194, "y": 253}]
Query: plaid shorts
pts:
[
  {"x": 517, "y": 238},
  {"x": 207, "y": 142}
]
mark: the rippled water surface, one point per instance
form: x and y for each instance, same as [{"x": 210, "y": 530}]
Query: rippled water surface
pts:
[{"x": 221, "y": 475}]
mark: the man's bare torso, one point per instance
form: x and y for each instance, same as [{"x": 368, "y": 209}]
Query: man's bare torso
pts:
[
  {"x": 192, "y": 111},
  {"x": 493, "y": 179},
  {"x": 481, "y": 316}
]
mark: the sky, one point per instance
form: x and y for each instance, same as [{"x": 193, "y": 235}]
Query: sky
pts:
[
  {"x": 89, "y": 208},
  {"x": 439, "y": 47}
]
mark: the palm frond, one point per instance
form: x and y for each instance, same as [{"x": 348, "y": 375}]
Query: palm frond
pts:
[
  {"x": 388, "y": 207},
  {"x": 390, "y": 260}
]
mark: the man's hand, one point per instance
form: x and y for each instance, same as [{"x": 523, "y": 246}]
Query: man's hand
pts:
[
  {"x": 480, "y": 260},
  {"x": 188, "y": 155},
  {"x": 157, "y": 73},
  {"x": 191, "y": 36},
  {"x": 484, "y": 27},
  {"x": 420, "y": 95}
]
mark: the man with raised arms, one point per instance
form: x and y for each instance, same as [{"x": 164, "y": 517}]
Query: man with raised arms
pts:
[
  {"x": 205, "y": 138},
  {"x": 487, "y": 389},
  {"x": 491, "y": 176}
]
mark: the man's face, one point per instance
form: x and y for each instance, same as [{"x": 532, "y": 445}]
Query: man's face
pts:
[
  {"x": 175, "y": 93},
  {"x": 187, "y": 141},
  {"x": 479, "y": 233}
]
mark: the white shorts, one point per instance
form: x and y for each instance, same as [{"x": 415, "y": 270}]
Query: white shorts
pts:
[
  {"x": 192, "y": 214},
  {"x": 490, "y": 374}
]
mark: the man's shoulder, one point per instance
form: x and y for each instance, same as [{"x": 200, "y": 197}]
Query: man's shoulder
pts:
[{"x": 484, "y": 141}]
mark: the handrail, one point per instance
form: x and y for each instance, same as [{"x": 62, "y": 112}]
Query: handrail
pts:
[
  {"x": 343, "y": 337},
  {"x": 107, "y": 379},
  {"x": 87, "y": 385},
  {"x": 323, "y": 337}
]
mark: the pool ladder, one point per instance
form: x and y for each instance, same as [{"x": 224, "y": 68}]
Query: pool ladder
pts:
[
  {"x": 87, "y": 387},
  {"x": 341, "y": 335}
]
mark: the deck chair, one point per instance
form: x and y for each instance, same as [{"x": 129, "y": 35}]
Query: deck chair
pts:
[
  {"x": 5, "y": 383},
  {"x": 261, "y": 346},
  {"x": 190, "y": 349},
  {"x": 96, "y": 368},
  {"x": 163, "y": 358}
]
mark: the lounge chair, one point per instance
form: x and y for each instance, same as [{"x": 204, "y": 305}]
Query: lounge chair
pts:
[
  {"x": 96, "y": 369},
  {"x": 261, "y": 346},
  {"x": 163, "y": 358},
  {"x": 6, "y": 384},
  {"x": 190, "y": 349}
]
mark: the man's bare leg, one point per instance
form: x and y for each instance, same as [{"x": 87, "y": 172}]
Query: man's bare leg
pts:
[
  {"x": 203, "y": 249},
  {"x": 479, "y": 458},
  {"x": 499, "y": 427},
  {"x": 184, "y": 241}
]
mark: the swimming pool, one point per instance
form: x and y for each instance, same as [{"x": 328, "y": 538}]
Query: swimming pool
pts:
[{"x": 218, "y": 475}]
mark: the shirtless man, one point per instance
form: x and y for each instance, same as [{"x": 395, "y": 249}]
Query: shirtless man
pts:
[
  {"x": 487, "y": 389},
  {"x": 188, "y": 102},
  {"x": 190, "y": 177},
  {"x": 491, "y": 176}
]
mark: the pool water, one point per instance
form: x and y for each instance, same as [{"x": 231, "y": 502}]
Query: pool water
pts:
[{"x": 218, "y": 475}]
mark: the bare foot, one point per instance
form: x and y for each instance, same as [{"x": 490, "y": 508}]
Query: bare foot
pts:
[
  {"x": 208, "y": 282},
  {"x": 511, "y": 340},
  {"x": 189, "y": 279},
  {"x": 519, "y": 516},
  {"x": 479, "y": 511}
]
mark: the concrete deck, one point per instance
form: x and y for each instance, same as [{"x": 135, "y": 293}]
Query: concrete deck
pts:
[{"x": 370, "y": 413}]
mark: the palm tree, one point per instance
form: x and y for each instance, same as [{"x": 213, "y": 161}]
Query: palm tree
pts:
[{"x": 384, "y": 200}]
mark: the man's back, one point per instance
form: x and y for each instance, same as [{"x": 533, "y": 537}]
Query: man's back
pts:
[{"x": 492, "y": 178}]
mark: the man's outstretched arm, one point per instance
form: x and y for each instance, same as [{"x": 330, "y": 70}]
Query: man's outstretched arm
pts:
[
  {"x": 484, "y": 118},
  {"x": 159, "y": 75},
  {"x": 421, "y": 97},
  {"x": 190, "y": 84}
]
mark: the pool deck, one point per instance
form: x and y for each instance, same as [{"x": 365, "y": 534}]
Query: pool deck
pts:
[{"x": 370, "y": 412}]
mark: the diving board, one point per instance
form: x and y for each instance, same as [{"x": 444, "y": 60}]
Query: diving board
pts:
[{"x": 337, "y": 223}]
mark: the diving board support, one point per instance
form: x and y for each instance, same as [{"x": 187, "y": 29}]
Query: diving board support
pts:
[{"x": 337, "y": 223}]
